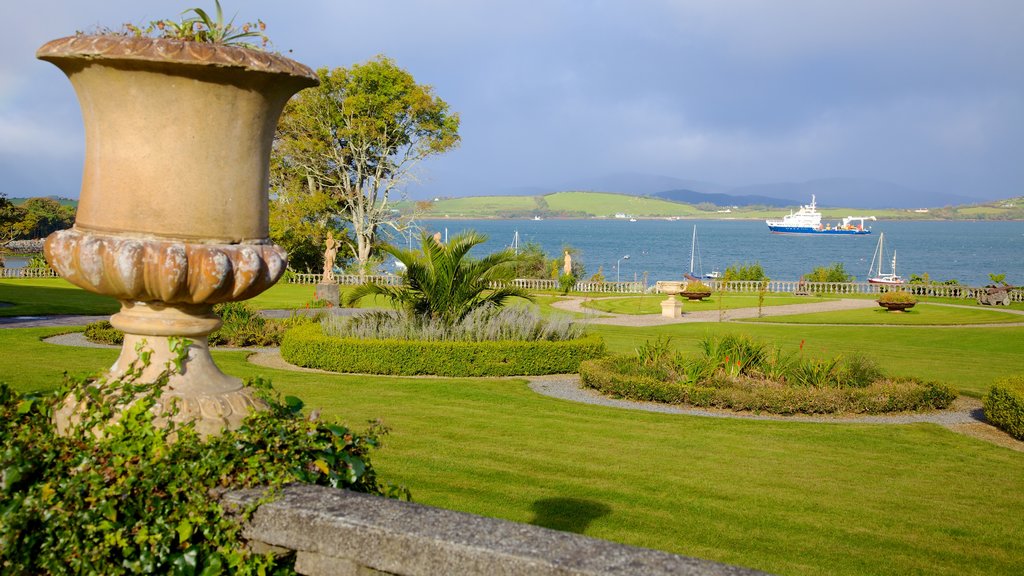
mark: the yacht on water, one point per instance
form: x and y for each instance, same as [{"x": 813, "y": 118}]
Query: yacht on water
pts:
[{"x": 876, "y": 275}]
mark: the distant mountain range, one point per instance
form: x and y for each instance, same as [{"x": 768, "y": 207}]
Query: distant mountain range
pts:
[
  {"x": 693, "y": 197},
  {"x": 845, "y": 192}
]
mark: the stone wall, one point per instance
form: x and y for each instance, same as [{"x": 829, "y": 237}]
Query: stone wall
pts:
[{"x": 337, "y": 532}]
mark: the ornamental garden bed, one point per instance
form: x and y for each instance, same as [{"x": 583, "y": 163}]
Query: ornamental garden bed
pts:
[
  {"x": 309, "y": 347},
  {"x": 738, "y": 373}
]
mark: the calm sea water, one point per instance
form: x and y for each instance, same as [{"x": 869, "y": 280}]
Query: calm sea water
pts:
[{"x": 966, "y": 251}]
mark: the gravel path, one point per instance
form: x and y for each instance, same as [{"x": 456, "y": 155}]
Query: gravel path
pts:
[{"x": 575, "y": 304}]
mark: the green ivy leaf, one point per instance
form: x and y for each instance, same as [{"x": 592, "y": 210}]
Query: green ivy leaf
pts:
[
  {"x": 294, "y": 404},
  {"x": 184, "y": 531}
]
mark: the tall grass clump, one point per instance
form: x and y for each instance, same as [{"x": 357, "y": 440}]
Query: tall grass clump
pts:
[{"x": 484, "y": 324}]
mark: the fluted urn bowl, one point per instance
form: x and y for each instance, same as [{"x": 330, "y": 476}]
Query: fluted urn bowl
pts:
[{"x": 172, "y": 215}]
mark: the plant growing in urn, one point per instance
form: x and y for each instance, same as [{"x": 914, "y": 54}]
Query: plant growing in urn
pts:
[
  {"x": 696, "y": 290},
  {"x": 897, "y": 300},
  {"x": 172, "y": 216}
]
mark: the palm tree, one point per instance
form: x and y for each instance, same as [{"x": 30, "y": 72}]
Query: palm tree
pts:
[{"x": 441, "y": 283}]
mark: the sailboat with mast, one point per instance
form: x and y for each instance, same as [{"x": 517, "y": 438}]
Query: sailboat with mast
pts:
[
  {"x": 695, "y": 254},
  {"x": 878, "y": 275}
]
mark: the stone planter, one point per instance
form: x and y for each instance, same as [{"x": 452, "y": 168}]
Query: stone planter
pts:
[
  {"x": 172, "y": 216},
  {"x": 896, "y": 306},
  {"x": 695, "y": 295}
]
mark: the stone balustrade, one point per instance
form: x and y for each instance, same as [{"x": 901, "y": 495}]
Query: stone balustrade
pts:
[{"x": 337, "y": 532}]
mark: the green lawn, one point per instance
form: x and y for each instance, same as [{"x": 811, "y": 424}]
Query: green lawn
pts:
[
  {"x": 785, "y": 497},
  {"x": 651, "y": 303},
  {"x": 919, "y": 315},
  {"x": 36, "y": 296}
]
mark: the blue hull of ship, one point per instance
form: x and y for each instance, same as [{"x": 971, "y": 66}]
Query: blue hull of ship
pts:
[{"x": 812, "y": 231}]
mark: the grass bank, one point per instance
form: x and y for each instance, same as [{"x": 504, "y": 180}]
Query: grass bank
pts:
[{"x": 785, "y": 497}]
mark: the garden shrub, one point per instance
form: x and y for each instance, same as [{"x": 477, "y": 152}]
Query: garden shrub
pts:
[
  {"x": 308, "y": 346},
  {"x": 697, "y": 287},
  {"x": 114, "y": 496},
  {"x": 1004, "y": 405},
  {"x": 738, "y": 373},
  {"x": 243, "y": 326},
  {"x": 897, "y": 297},
  {"x": 101, "y": 332}
]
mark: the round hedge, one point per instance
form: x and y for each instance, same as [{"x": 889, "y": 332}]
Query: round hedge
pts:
[
  {"x": 1004, "y": 405},
  {"x": 309, "y": 347}
]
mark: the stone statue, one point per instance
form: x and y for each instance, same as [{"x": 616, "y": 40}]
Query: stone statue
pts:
[
  {"x": 329, "y": 255},
  {"x": 567, "y": 267}
]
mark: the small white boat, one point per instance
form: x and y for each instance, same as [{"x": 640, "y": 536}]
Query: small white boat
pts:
[
  {"x": 695, "y": 255},
  {"x": 877, "y": 275}
]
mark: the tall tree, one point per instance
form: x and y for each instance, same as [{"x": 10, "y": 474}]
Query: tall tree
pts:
[
  {"x": 357, "y": 138},
  {"x": 10, "y": 217},
  {"x": 41, "y": 216}
]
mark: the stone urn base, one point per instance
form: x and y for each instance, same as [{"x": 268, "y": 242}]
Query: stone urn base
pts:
[
  {"x": 672, "y": 308},
  {"x": 330, "y": 293},
  {"x": 896, "y": 306},
  {"x": 163, "y": 339}
]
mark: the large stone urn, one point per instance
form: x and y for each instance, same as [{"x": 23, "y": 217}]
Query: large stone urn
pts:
[{"x": 172, "y": 216}]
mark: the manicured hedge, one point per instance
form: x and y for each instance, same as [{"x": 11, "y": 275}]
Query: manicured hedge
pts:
[
  {"x": 308, "y": 346},
  {"x": 1004, "y": 405},
  {"x": 895, "y": 395}
]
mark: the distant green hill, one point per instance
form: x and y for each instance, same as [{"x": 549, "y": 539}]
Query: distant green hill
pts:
[{"x": 608, "y": 205}]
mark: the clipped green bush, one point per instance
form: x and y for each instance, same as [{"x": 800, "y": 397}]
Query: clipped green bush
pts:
[
  {"x": 102, "y": 332},
  {"x": 1004, "y": 405},
  {"x": 119, "y": 495},
  {"x": 308, "y": 346},
  {"x": 897, "y": 297},
  {"x": 243, "y": 326}
]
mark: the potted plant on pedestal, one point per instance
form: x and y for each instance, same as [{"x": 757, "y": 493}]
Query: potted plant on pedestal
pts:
[
  {"x": 897, "y": 300},
  {"x": 172, "y": 216}
]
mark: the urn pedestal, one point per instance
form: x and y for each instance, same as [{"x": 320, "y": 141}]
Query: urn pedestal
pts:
[
  {"x": 670, "y": 307},
  {"x": 172, "y": 216}
]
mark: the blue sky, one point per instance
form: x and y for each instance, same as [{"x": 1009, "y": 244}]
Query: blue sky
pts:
[{"x": 928, "y": 94}]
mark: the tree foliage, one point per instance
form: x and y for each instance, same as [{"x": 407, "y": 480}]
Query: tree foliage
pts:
[
  {"x": 353, "y": 141},
  {"x": 443, "y": 283},
  {"x": 34, "y": 218},
  {"x": 834, "y": 272},
  {"x": 746, "y": 271},
  {"x": 10, "y": 215}
]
